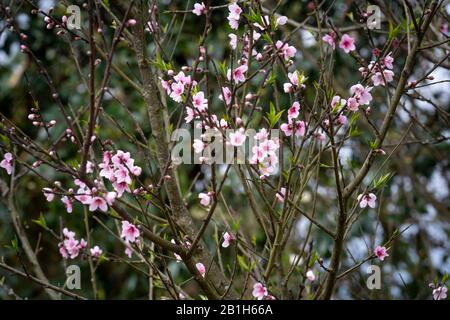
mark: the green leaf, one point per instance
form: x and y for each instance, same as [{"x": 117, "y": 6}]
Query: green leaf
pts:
[
  {"x": 242, "y": 263},
  {"x": 373, "y": 144},
  {"x": 381, "y": 182},
  {"x": 393, "y": 31},
  {"x": 254, "y": 16},
  {"x": 223, "y": 68},
  {"x": 236, "y": 225},
  {"x": 41, "y": 221},
  {"x": 14, "y": 244},
  {"x": 314, "y": 258},
  {"x": 271, "y": 80},
  {"x": 273, "y": 116},
  {"x": 265, "y": 36}
]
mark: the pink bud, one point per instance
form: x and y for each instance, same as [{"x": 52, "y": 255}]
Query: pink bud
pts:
[{"x": 131, "y": 22}]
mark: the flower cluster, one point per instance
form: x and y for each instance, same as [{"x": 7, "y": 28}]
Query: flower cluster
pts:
[
  {"x": 381, "y": 71},
  {"x": 264, "y": 155},
  {"x": 285, "y": 50},
  {"x": 70, "y": 247},
  {"x": 296, "y": 81},
  {"x": 130, "y": 234},
  {"x": 293, "y": 126},
  {"x": 118, "y": 168},
  {"x": 234, "y": 15},
  {"x": 176, "y": 85},
  {"x": 7, "y": 163},
  {"x": 360, "y": 96}
]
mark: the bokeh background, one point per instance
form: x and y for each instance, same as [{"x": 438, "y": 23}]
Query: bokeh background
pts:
[{"x": 417, "y": 197}]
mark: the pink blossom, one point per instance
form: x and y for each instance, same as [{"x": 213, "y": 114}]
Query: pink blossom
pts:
[
  {"x": 281, "y": 194},
  {"x": 287, "y": 128},
  {"x": 199, "y": 101},
  {"x": 440, "y": 293},
  {"x": 269, "y": 147},
  {"x": 182, "y": 78},
  {"x": 130, "y": 22},
  {"x": 361, "y": 93},
  {"x": 227, "y": 237},
  {"x": 190, "y": 114},
  {"x": 201, "y": 269},
  {"x": 89, "y": 167},
  {"x": 128, "y": 251},
  {"x": 234, "y": 23},
  {"x": 129, "y": 232},
  {"x": 68, "y": 234},
  {"x": 293, "y": 111},
  {"x": 107, "y": 171},
  {"x": 205, "y": 199},
  {"x": 177, "y": 256},
  {"x": 198, "y": 145},
  {"x": 328, "y": 38},
  {"x": 49, "y": 195},
  {"x": 233, "y": 40},
  {"x": 98, "y": 203},
  {"x": 258, "y": 155},
  {"x": 136, "y": 171},
  {"x": 352, "y": 104},
  {"x": 367, "y": 199},
  {"x": 121, "y": 187},
  {"x": 347, "y": 43},
  {"x": 177, "y": 91},
  {"x": 111, "y": 197},
  {"x": 238, "y": 74},
  {"x": 444, "y": 28},
  {"x": 237, "y": 138},
  {"x": 6, "y": 163},
  {"x": 96, "y": 251},
  {"x": 63, "y": 251},
  {"x": 341, "y": 119},
  {"x": 122, "y": 175},
  {"x": 381, "y": 253},
  {"x": 71, "y": 246},
  {"x": 286, "y": 50},
  {"x": 378, "y": 80},
  {"x": 310, "y": 275},
  {"x": 227, "y": 93},
  {"x": 234, "y": 15},
  {"x": 235, "y": 11},
  {"x": 261, "y": 135},
  {"x": 199, "y": 9},
  {"x": 293, "y": 78},
  {"x": 83, "y": 244},
  {"x": 166, "y": 86},
  {"x": 67, "y": 203},
  {"x": 299, "y": 128},
  {"x": 281, "y": 20},
  {"x": 337, "y": 102},
  {"x": 388, "y": 61},
  {"x": 259, "y": 291},
  {"x": 83, "y": 195}
]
